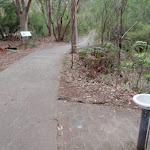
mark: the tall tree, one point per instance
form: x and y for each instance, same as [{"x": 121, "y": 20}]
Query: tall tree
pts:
[
  {"x": 73, "y": 23},
  {"x": 57, "y": 18},
  {"x": 22, "y": 8},
  {"x": 104, "y": 19},
  {"x": 47, "y": 13},
  {"x": 119, "y": 14},
  {"x": 124, "y": 2}
]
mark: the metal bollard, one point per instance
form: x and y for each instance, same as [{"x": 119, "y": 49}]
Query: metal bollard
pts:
[
  {"x": 143, "y": 129},
  {"x": 143, "y": 100}
]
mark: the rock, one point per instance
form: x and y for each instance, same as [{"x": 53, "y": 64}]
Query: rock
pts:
[{"x": 64, "y": 98}]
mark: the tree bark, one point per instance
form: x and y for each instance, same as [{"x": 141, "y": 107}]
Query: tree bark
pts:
[
  {"x": 1, "y": 32},
  {"x": 47, "y": 14},
  {"x": 73, "y": 23},
  {"x": 23, "y": 19},
  {"x": 22, "y": 7},
  {"x": 49, "y": 17}
]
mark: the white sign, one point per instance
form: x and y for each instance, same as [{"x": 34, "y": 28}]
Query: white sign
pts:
[{"x": 25, "y": 33}]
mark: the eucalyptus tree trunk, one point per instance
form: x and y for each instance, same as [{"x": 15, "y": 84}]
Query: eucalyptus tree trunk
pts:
[
  {"x": 47, "y": 13},
  {"x": 23, "y": 20},
  {"x": 119, "y": 37},
  {"x": 124, "y": 2},
  {"x": 50, "y": 17},
  {"x": 73, "y": 24},
  {"x": 1, "y": 31},
  {"x": 22, "y": 8}
]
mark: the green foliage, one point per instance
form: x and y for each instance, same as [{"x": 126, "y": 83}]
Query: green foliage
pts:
[
  {"x": 141, "y": 59},
  {"x": 66, "y": 18},
  {"x": 125, "y": 85},
  {"x": 31, "y": 44},
  {"x": 140, "y": 34},
  {"x": 127, "y": 65},
  {"x": 104, "y": 77},
  {"x": 9, "y": 23},
  {"x": 138, "y": 62},
  {"x": 109, "y": 47},
  {"x": 84, "y": 24},
  {"x": 140, "y": 46},
  {"x": 37, "y": 24},
  {"x": 88, "y": 16},
  {"x": 82, "y": 54}
]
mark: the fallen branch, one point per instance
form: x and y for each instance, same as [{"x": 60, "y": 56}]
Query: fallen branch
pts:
[{"x": 128, "y": 30}]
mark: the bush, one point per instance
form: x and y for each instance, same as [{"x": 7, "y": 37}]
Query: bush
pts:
[
  {"x": 37, "y": 24},
  {"x": 8, "y": 20},
  {"x": 139, "y": 34}
]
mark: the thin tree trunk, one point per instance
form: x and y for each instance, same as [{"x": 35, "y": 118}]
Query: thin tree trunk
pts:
[
  {"x": 104, "y": 22},
  {"x": 117, "y": 45},
  {"x": 73, "y": 23},
  {"x": 65, "y": 30},
  {"x": 139, "y": 77},
  {"x": 102, "y": 36},
  {"x": 49, "y": 17},
  {"x": 1, "y": 33},
  {"x": 120, "y": 34}
]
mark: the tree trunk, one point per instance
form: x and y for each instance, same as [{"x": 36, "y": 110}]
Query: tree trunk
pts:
[
  {"x": 23, "y": 22},
  {"x": 22, "y": 8},
  {"x": 49, "y": 17},
  {"x": 1, "y": 33},
  {"x": 102, "y": 36},
  {"x": 104, "y": 14},
  {"x": 73, "y": 24},
  {"x": 120, "y": 34}
]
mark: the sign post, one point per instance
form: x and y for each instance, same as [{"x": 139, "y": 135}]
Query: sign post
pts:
[{"x": 26, "y": 34}]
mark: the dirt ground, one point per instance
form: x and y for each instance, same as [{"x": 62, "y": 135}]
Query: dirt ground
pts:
[
  {"x": 11, "y": 56},
  {"x": 76, "y": 85}
]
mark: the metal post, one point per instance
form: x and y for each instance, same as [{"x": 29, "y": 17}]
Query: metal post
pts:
[{"x": 143, "y": 129}]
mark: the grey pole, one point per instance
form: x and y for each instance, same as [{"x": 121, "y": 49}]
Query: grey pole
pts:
[{"x": 143, "y": 129}]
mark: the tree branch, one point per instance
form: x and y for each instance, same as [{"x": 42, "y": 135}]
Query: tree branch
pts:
[
  {"x": 65, "y": 30},
  {"x": 28, "y": 6},
  {"x": 17, "y": 5},
  {"x": 43, "y": 12},
  {"x": 128, "y": 30},
  {"x": 23, "y": 4}
]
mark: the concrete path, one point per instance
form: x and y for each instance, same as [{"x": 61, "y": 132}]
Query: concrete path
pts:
[
  {"x": 93, "y": 127},
  {"x": 31, "y": 117},
  {"x": 28, "y": 101}
]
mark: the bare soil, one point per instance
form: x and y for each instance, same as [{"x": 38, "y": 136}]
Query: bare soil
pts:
[
  {"x": 11, "y": 56},
  {"x": 101, "y": 90}
]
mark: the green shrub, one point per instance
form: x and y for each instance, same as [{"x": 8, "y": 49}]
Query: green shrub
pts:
[
  {"x": 37, "y": 24},
  {"x": 8, "y": 20},
  {"x": 139, "y": 34},
  {"x": 82, "y": 54},
  {"x": 140, "y": 46}
]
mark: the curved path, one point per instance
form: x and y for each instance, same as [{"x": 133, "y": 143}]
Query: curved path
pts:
[{"x": 28, "y": 101}]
